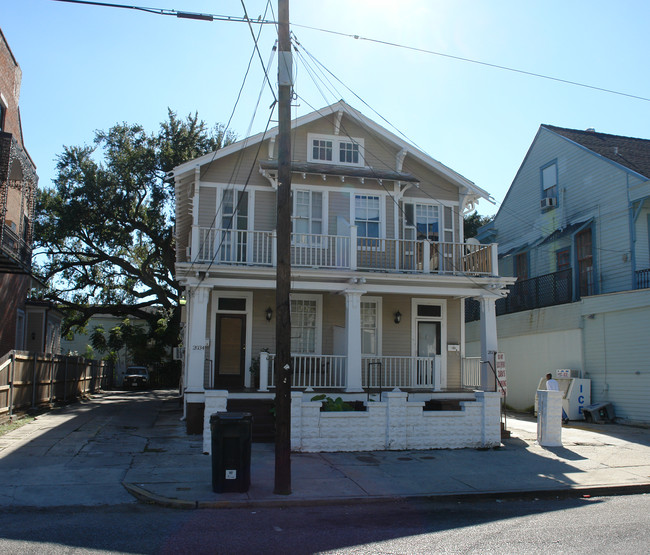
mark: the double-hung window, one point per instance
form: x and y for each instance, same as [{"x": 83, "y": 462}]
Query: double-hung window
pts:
[
  {"x": 308, "y": 213},
  {"x": 367, "y": 218},
  {"x": 370, "y": 326},
  {"x": 305, "y": 330},
  {"x": 234, "y": 223}
]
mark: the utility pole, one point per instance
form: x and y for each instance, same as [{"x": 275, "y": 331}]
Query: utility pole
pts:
[{"x": 283, "y": 370}]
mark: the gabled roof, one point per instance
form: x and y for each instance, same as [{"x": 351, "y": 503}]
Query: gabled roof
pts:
[
  {"x": 328, "y": 111},
  {"x": 632, "y": 153}
]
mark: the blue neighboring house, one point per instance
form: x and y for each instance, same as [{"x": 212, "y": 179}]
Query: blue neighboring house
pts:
[{"x": 574, "y": 229}]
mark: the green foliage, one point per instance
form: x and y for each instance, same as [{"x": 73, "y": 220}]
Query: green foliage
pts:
[
  {"x": 333, "y": 405},
  {"x": 473, "y": 222},
  {"x": 105, "y": 230}
]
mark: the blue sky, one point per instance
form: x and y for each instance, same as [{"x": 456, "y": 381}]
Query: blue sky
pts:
[{"x": 87, "y": 68}]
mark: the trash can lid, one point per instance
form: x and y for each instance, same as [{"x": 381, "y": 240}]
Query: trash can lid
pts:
[{"x": 230, "y": 416}]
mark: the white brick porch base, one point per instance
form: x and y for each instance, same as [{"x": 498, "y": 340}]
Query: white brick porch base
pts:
[
  {"x": 395, "y": 424},
  {"x": 392, "y": 424}
]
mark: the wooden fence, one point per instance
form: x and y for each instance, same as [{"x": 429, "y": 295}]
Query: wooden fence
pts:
[{"x": 29, "y": 380}]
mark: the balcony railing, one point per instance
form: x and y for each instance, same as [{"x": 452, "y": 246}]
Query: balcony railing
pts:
[
  {"x": 643, "y": 278},
  {"x": 16, "y": 250},
  {"x": 547, "y": 290},
  {"x": 346, "y": 252}
]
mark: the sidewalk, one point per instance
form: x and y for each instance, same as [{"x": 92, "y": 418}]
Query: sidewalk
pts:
[{"x": 74, "y": 458}]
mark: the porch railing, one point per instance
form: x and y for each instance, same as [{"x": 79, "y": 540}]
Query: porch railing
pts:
[
  {"x": 394, "y": 371},
  {"x": 347, "y": 252},
  {"x": 330, "y": 372},
  {"x": 470, "y": 372},
  {"x": 309, "y": 371}
]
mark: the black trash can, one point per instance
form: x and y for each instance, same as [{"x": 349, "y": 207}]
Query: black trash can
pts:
[{"x": 231, "y": 451}]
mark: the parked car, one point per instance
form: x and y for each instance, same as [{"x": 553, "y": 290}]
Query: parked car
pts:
[{"x": 136, "y": 377}]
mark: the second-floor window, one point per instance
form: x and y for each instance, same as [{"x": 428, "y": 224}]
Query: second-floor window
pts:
[
  {"x": 585, "y": 262},
  {"x": 367, "y": 216},
  {"x": 563, "y": 259},
  {"x": 521, "y": 266},
  {"x": 308, "y": 212},
  {"x": 335, "y": 149}
]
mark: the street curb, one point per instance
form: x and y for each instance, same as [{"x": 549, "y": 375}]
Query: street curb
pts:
[{"x": 146, "y": 496}]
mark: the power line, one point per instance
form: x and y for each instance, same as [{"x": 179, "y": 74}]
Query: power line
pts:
[{"x": 261, "y": 21}]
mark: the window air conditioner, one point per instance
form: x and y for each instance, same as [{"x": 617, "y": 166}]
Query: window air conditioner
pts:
[{"x": 548, "y": 202}]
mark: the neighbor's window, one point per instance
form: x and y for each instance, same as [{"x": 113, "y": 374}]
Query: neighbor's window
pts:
[
  {"x": 563, "y": 259},
  {"x": 549, "y": 182}
]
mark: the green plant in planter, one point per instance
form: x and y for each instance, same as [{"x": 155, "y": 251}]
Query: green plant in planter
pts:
[{"x": 333, "y": 405}]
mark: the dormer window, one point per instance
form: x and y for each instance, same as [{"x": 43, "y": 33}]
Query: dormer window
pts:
[{"x": 332, "y": 149}]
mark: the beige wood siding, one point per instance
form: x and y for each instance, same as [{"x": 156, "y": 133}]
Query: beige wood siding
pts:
[
  {"x": 265, "y": 210},
  {"x": 208, "y": 207}
]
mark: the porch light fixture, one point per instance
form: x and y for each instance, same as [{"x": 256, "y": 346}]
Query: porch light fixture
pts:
[
  {"x": 269, "y": 314},
  {"x": 398, "y": 317}
]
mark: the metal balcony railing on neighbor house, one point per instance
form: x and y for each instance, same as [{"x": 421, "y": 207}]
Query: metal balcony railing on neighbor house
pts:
[
  {"x": 547, "y": 290},
  {"x": 258, "y": 248},
  {"x": 643, "y": 278},
  {"x": 15, "y": 248}
]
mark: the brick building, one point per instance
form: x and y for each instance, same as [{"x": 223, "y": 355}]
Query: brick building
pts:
[{"x": 24, "y": 325}]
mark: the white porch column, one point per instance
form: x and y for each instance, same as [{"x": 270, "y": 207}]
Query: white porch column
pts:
[
  {"x": 353, "y": 333},
  {"x": 488, "y": 341},
  {"x": 198, "y": 316}
]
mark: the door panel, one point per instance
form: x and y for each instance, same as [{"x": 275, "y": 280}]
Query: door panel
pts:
[{"x": 230, "y": 351}]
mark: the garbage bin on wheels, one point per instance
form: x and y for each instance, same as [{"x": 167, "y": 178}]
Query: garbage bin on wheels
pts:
[{"x": 231, "y": 451}]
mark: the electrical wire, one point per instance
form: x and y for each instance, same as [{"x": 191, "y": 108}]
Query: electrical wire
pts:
[{"x": 261, "y": 21}]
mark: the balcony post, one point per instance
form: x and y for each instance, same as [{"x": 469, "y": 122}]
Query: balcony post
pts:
[
  {"x": 494, "y": 259},
  {"x": 195, "y": 243},
  {"x": 274, "y": 248},
  {"x": 353, "y": 331},
  {"x": 353, "y": 247},
  {"x": 426, "y": 256}
]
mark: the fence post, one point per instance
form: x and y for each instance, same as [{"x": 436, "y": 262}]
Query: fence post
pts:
[
  {"x": 51, "y": 377},
  {"x": 264, "y": 371},
  {"x": 11, "y": 384},
  {"x": 34, "y": 382}
]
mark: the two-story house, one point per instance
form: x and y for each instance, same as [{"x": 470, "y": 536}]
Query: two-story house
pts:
[
  {"x": 380, "y": 271},
  {"x": 25, "y": 324},
  {"x": 574, "y": 228}
]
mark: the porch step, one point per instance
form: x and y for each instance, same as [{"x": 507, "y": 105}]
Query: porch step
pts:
[{"x": 263, "y": 419}]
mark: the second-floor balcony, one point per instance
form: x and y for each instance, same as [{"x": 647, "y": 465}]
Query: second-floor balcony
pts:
[
  {"x": 527, "y": 294},
  {"x": 15, "y": 252},
  {"x": 343, "y": 252}
]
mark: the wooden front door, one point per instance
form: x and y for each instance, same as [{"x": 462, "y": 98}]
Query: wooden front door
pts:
[{"x": 230, "y": 351}]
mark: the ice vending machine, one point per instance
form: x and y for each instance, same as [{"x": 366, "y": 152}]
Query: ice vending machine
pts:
[{"x": 576, "y": 392}]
